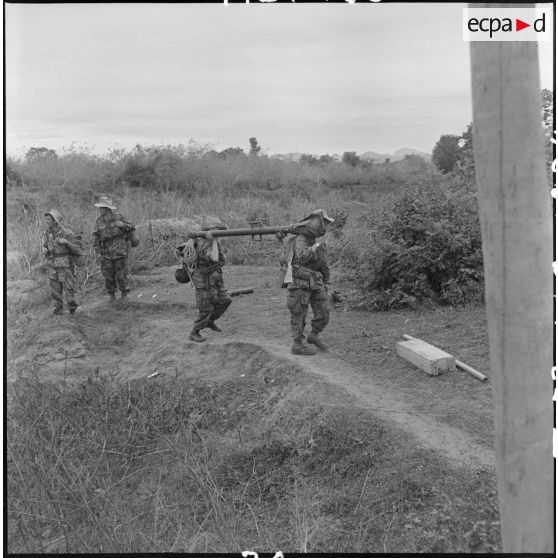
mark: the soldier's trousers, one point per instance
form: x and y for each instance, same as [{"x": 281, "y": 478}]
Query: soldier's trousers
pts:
[
  {"x": 212, "y": 304},
  {"x": 298, "y": 301},
  {"x": 62, "y": 282},
  {"x": 115, "y": 273}
]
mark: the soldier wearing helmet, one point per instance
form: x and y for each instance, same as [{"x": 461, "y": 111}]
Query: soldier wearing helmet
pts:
[
  {"x": 59, "y": 245},
  {"x": 310, "y": 279},
  {"x": 112, "y": 241},
  {"x": 211, "y": 297}
]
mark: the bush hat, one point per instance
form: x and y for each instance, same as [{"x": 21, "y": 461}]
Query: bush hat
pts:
[
  {"x": 105, "y": 201},
  {"x": 321, "y": 212}
]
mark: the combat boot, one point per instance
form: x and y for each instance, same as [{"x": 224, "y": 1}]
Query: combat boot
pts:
[
  {"x": 195, "y": 336},
  {"x": 299, "y": 348},
  {"x": 315, "y": 340},
  {"x": 214, "y": 327}
]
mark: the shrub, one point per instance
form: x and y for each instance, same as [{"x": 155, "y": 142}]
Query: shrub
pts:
[
  {"x": 340, "y": 220},
  {"x": 426, "y": 247}
]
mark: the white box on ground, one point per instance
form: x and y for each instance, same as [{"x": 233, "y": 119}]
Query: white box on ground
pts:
[{"x": 432, "y": 360}]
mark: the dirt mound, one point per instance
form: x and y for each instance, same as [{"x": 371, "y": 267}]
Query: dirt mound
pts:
[{"x": 161, "y": 230}]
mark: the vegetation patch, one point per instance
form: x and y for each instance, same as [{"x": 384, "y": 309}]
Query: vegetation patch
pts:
[
  {"x": 426, "y": 247},
  {"x": 261, "y": 461}
]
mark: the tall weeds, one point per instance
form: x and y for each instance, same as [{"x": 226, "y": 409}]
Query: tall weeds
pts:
[{"x": 168, "y": 464}]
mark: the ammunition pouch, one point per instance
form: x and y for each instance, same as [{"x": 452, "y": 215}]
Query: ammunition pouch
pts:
[
  {"x": 313, "y": 278},
  {"x": 201, "y": 275},
  {"x": 210, "y": 268},
  {"x": 200, "y": 280}
]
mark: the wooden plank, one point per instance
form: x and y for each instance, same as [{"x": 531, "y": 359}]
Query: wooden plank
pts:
[
  {"x": 432, "y": 360},
  {"x": 461, "y": 365}
]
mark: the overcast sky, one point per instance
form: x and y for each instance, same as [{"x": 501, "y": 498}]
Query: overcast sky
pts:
[{"x": 317, "y": 78}]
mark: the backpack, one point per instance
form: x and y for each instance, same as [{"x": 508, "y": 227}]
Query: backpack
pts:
[{"x": 285, "y": 261}]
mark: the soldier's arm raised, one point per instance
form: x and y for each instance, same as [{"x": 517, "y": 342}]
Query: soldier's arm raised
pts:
[
  {"x": 303, "y": 250},
  {"x": 204, "y": 249}
]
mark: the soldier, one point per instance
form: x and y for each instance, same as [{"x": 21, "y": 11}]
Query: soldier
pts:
[
  {"x": 112, "y": 242},
  {"x": 211, "y": 297},
  {"x": 59, "y": 245},
  {"x": 310, "y": 280}
]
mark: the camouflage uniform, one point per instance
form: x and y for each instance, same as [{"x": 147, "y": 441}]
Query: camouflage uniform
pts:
[
  {"x": 61, "y": 271},
  {"x": 112, "y": 245},
  {"x": 310, "y": 277},
  {"x": 308, "y": 284},
  {"x": 211, "y": 297}
]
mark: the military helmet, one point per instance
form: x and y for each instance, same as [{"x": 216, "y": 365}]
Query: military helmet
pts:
[
  {"x": 55, "y": 214},
  {"x": 181, "y": 275},
  {"x": 212, "y": 223}
]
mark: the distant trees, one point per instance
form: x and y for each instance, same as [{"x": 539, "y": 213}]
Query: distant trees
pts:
[
  {"x": 40, "y": 153},
  {"x": 315, "y": 160},
  {"x": 454, "y": 154},
  {"x": 255, "y": 149},
  {"x": 326, "y": 159},
  {"x": 351, "y": 158},
  {"x": 232, "y": 152},
  {"x": 465, "y": 164},
  {"x": 446, "y": 152},
  {"x": 194, "y": 169},
  {"x": 308, "y": 159}
]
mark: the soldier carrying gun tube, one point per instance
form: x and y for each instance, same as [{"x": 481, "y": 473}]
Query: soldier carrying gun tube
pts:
[
  {"x": 207, "y": 277},
  {"x": 307, "y": 280}
]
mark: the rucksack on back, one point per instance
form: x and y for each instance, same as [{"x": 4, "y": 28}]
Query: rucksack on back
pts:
[{"x": 285, "y": 261}]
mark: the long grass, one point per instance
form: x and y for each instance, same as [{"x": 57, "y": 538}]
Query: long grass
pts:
[
  {"x": 26, "y": 226},
  {"x": 186, "y": 466}
]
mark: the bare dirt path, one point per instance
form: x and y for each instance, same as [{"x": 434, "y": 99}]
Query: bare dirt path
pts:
[
  {"x": 453, "y": 443},
  {"x": 150, "y": 335}
]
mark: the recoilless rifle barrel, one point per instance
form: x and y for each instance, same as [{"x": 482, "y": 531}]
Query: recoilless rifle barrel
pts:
[{"x": 242, "y": 232}]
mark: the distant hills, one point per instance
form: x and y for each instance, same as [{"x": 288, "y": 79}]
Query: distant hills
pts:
[
  {"x": 397, "y": 156},
  {"x": 369, "y": 155}
]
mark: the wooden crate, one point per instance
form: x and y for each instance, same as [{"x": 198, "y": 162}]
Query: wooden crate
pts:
[{"x": 432, "y": 360}]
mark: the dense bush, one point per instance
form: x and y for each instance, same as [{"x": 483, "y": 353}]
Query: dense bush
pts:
[{"x": 427, "y": 246}]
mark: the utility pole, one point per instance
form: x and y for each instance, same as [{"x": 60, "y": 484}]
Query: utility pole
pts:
[{"x": 516, "y": 224}]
